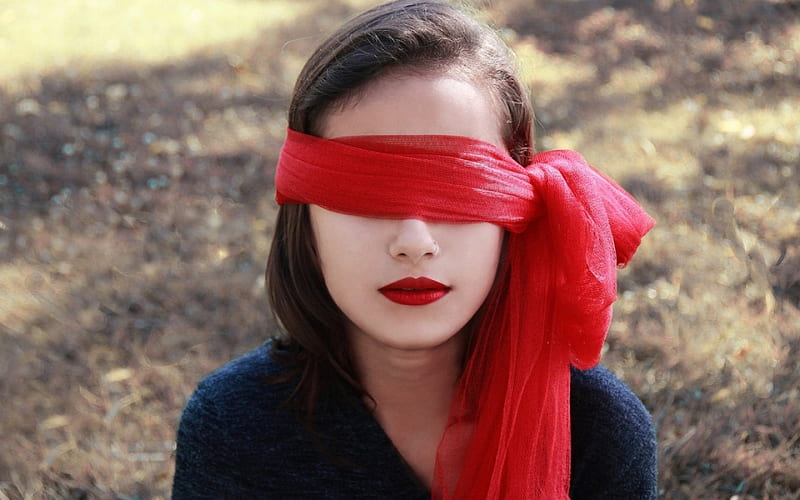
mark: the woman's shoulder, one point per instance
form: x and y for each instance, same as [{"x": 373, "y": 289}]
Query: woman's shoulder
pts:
[
  {"x": 245, "y": 396},
  {"x": 614, "y": 445},
  {"x": 599, "y": 392},
  {"x": 250, "y": 367},
  {"x": 246, "y": 382},
  {"x": 237, "y": 437}
]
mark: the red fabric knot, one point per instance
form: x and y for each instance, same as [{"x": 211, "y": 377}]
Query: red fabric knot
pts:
[
  {"x": 585, "y": 277},
  {"x": 508, "y": 432}
]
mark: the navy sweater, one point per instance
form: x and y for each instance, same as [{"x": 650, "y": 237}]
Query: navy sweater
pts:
[{"x": 237, "y": 439}]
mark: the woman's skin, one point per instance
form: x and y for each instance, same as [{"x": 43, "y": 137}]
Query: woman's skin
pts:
[{"x": 405, "y": 338}]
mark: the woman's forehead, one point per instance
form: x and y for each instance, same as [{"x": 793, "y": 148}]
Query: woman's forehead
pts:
[{"x": 419, "y": 105}]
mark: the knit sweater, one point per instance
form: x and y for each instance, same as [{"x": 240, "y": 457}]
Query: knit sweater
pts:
[{"x": 237, "y": 439}]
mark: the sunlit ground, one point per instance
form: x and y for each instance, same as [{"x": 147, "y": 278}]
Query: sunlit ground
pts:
[{"x": 76, "y": 35}]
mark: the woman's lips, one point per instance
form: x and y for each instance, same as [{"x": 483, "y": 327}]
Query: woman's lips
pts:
[{"x": 414, "y": 291}]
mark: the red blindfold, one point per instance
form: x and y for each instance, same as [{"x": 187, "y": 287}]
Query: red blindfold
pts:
[{"x": 572, "y": 227}]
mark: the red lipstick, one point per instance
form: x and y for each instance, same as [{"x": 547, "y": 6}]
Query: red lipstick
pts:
[{"x": 414, "y": 291}]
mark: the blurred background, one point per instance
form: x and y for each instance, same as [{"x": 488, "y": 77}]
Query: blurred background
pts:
[{"x": 137, "y": 144}]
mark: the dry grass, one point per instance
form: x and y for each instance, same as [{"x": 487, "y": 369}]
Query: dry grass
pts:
[
  {"x": 75, "y": 35},
  {"x": 135, "y": 215}
]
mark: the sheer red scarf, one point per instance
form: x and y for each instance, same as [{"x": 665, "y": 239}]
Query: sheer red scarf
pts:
[{"x": 508, "y": 434}]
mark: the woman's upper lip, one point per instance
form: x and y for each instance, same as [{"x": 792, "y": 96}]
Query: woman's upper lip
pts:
[{"x": 410, "y": 283}]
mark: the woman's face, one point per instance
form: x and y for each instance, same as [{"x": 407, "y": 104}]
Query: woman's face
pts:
[{"x": 409, "y": 284}]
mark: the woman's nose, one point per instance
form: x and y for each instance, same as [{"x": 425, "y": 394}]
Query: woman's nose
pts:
[{"x": 413, "y": 241}]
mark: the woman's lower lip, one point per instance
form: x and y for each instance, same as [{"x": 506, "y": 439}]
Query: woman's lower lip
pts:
[{"x": 414, "y": 297}]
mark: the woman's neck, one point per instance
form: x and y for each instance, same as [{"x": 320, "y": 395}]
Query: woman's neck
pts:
[
  {"x": 412, "y": 390},
  {"x": 397, "y": 377}
]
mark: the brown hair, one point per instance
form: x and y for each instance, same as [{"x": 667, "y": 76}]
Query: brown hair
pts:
[{"x": 416, "y": 36}]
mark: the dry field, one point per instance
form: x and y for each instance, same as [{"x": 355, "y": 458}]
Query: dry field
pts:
[{"x": 137, "y": 141}]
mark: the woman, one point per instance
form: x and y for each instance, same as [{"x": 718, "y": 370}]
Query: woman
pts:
[{"x": 434, "y": 280}]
